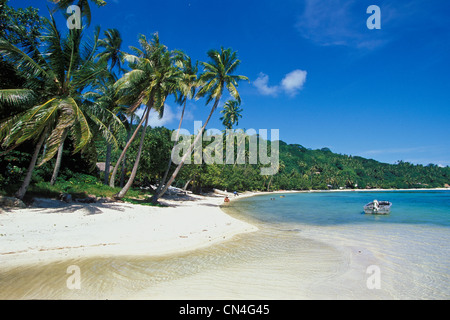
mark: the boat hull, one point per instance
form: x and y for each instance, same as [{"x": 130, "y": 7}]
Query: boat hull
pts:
[{"x": 383, "y": 208}]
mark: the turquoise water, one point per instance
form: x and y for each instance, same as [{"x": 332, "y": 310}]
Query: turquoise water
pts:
[
  {"x": 410, "y": 246},
  {"x": 335, "y": 208}
]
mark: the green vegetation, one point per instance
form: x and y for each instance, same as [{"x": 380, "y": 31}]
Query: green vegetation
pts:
[
  {"x": 67, "y": 104},
  {"x": 305, "y": 169}
]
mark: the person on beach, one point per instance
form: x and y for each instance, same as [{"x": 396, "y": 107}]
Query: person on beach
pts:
[
  {"x": 226, "y": 199},
  {"x": 235, "y": 194}
]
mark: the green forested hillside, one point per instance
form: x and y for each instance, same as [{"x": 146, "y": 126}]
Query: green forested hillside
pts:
[
  {"x": 305, "y": 169},
  {"x": 325, "y": 169}
]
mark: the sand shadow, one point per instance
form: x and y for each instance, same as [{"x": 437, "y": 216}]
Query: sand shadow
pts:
[
  {"x": 183, "y": 198},
  {"x": 58, "y": 206}
]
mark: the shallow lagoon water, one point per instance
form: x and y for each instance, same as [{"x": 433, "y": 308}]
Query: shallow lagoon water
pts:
[{"x": 309, "y": 246}]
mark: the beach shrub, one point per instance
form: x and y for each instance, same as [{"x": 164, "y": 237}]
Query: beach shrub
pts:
[
  {"x": 12, "y": 168},
  {"x": 80, "y": 186}
]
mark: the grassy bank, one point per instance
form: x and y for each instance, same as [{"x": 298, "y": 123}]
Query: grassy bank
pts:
[{"x": 82, "y": 186}]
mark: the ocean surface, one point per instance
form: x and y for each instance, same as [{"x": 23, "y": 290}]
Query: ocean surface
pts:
[
  {"x": 410, "y": 247},
  {"x": 317, "y": 245},
  {"x": 426, "y": 208}
]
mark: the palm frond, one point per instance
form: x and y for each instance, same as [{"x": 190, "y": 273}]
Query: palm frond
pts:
[
  {"x": 83, "y": 4},
  {"x": 54, "y": 43},
  {"x": 81, "y": 127},
  {"x": 17, "y": 97},
  {"x": 27, "y": 125},
  {"x": 58, "y": 134},
  {"x": 233, "y": 91},
  {"x": 23, "y": 63}
]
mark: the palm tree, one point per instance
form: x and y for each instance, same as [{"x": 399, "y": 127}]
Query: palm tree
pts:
[
  {"x": 104, "y": 98},
  {"x": 131, "y": 94},
  {"x": 112, "y": 52},
  {"x": 83, "y": 4},
  {"x": 152, "y": 78},
  {"x": 56, "y": 77},
  {"x": 231, "y": 114},
  {"x": 186, "y": 90},
  {"x": 129, "y": 125},
  {"x": 217, "y": 76},
  {"x": 112, "y": 44}
]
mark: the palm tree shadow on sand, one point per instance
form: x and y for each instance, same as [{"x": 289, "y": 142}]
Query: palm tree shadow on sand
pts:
[{"x": 57, "y": 206}]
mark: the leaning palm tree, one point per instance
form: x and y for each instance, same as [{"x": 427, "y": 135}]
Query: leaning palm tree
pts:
[
  {"x": 133, "y": 95},
  {"x": 187, "y": 86},
  {"x": 152, "y": 78},
  {"x": 231, "y": 114},
  {"x": 56, "y": 73},
  {"x": 217, "y": 75},
  {"x": 103, "y": 97}
]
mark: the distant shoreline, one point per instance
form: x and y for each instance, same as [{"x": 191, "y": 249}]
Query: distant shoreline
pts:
[{"x": 246, "y": 194}]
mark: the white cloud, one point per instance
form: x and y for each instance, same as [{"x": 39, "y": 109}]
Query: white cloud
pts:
[
  {"x": 139, "y": 112},
  {"x": 154, "y": 120},
  {"x": 294, "y": 81},
  {"x": 167, "y": 117},
  {"x": 261, "y": 83},
  {"x": 188, "y": 112}
]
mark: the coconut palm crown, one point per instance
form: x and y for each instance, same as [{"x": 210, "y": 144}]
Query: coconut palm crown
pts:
[
  {"x": 152, "y": 78},
  {"x": 57, "y": 73},
  {"x": 216, "y": 77}
]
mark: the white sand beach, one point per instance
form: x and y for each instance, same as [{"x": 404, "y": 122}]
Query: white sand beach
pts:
[{"x": 52, "y": 229}]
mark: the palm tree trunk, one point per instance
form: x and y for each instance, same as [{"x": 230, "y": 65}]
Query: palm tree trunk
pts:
[
  {"x": 44, "y": 151},
  {"x": 163, "y": 181},
  {"x": 124, "y": 162},
  {"x": 107, "y": 163},
  {"x": 187, "y": 184},
  {"x": 128, "y": 185},
  {"x": 116, "y": 167},
  {"x": 26, "y": 182},
  {"x": 187, "y": 154},
  {"x": 59, "y": 158},
  {"x": 270, "y": 182},
  {"x": 122, "y": 173}
]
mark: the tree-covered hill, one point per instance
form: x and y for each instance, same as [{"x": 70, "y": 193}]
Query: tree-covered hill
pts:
[{"x": 321, "y": 169}]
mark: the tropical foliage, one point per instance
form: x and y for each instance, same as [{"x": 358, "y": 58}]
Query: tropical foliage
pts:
[
  {"x": 84, "y": 6},
  {"x": 67, "y": 103},
  {"x": 216, "y": 77},
  {"x": 57, "y": 72},
  {"x": 231, "y": 114}
]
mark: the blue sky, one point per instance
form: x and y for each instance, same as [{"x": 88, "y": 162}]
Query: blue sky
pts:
[{"x": 317, "y": 73}]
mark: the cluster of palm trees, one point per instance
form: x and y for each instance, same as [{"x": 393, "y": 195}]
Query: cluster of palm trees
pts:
[{"x": 77, "y": 91}]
